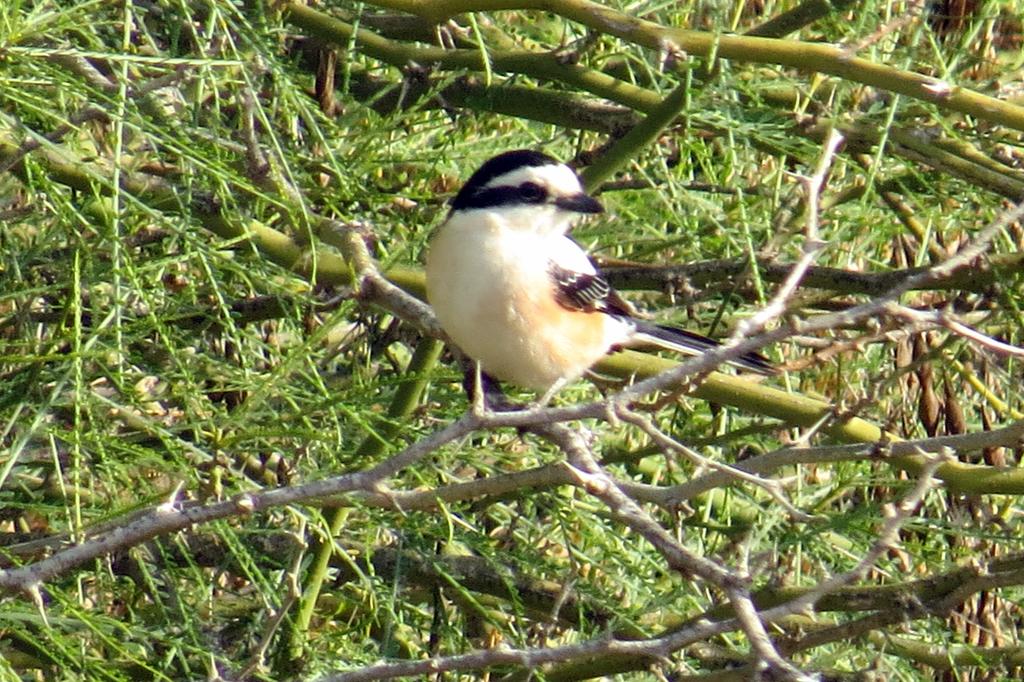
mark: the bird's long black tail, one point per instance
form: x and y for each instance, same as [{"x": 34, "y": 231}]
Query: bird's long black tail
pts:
[{"x": 682, "y": 341}]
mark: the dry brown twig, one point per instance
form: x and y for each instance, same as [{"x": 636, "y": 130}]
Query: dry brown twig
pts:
[
  {"x": 668, "y": 444},
  {"x": 944, "y": 319},
  {"x": 660, "y": 647},
  {"x": 812, "y": 244},
  {"x": 596, "y": 481}
]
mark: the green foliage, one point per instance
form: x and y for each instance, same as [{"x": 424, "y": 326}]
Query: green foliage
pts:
[{"x": 153, "y": 351}]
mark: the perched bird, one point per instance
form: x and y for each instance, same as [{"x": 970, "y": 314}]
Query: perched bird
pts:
[{"x": 520, "y": 297}]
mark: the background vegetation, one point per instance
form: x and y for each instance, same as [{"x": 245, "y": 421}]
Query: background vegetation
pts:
[{"x": 232, "y": 450}]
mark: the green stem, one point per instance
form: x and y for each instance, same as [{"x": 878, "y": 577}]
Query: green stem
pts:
[
  {"x": 630, "y": 144},
  {"x": 793, "y": 20},
  {"x": 552, "y": 108},
  {"x": 295, "y": 634},
  {"x": 405, "y": 400}
]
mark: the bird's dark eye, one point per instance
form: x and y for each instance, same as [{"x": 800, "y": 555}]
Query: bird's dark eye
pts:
[{"x": 532, "y": 192}]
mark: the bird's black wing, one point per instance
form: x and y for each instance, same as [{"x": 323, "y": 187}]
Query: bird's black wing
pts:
[
  {"x": 591, "y": 293},
  {"x": 587, "y": 292}
]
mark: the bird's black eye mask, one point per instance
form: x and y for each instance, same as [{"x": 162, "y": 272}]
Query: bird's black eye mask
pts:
[
  {"x": 476, "y": 193},
  {"x": 527, "y": 193}
]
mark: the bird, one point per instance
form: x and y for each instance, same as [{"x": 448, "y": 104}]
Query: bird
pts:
[{"x": 520, "y": 297}]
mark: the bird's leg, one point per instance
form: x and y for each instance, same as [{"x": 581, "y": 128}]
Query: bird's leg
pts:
[
  {"x": 551, "y": 392},
  {"x": 479, "y": 397},
  {"x": 483, "y": 391}
]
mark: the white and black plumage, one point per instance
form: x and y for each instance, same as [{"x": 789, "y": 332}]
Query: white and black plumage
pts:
[{"x": 519, "y": 296}]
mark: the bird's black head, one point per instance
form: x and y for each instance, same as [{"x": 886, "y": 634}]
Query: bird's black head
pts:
[{"x": 524, "y": 177}]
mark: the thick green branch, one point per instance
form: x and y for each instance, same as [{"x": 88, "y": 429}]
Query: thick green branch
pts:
[
  {"x": 802, "y": 15},
  {"x": 542, "y": 65},
  {"x": 814, "y": 57},
  {"x": 559, "y": 108}
]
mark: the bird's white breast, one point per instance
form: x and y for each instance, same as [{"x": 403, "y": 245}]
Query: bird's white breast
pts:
[{"x": 492, "y": 291}]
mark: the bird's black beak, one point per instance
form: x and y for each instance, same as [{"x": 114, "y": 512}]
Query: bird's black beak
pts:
[{"x": 579, "y": 203}]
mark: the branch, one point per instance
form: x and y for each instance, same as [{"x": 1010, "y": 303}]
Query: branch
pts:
[
  {"x": 815, "y": 57},
  {"x": 1011, "y": 436},
  {"x": 173, "y": 516},
  {"x": 976, "y": 277}
]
